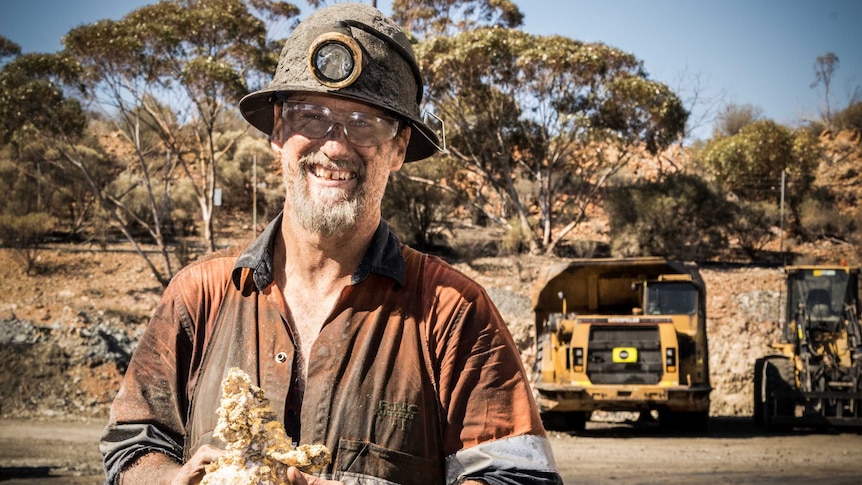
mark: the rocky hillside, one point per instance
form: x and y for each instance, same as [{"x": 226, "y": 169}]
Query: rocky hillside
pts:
[{"x": 67, "y": 331}]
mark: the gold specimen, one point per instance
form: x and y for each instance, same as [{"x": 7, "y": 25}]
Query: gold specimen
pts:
[{"x": 258, "y": 450}]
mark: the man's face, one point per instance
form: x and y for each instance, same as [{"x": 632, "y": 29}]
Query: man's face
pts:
[{"x": 331, "y": 182}]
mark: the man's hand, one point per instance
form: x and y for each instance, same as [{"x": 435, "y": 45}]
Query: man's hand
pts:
[
  {"x": 158, "y": 468},
  {"x": 296, "y": 477},
  {"x": 194, "y": 470}
]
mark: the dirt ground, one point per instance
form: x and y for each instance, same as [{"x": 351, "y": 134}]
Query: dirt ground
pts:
[
  {"x": 56, "y": 452},
  {"x": 53, "y": 452}
]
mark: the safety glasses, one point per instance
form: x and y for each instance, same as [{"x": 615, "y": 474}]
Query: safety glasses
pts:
[{"x": 360, "y": 129}]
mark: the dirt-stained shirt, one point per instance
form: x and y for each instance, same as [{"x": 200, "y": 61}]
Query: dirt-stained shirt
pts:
[{"x": 413, "y": 379}]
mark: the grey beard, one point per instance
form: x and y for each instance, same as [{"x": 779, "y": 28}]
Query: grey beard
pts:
[{"x": 326, "y": 219}]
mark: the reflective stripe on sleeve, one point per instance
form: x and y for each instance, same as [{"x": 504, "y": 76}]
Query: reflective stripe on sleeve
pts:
[{"x": 525, "y": 455}]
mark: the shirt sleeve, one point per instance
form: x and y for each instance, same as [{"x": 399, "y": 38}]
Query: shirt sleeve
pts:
[
  {"x": 147, "y": 413},
  {"x": 519, "y": 459},
  {"x": 122, "y": 444},
  {"x": 493, "y": 430}
]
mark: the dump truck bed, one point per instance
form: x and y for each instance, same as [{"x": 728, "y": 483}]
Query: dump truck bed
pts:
[{"x": 601, "y": 286}]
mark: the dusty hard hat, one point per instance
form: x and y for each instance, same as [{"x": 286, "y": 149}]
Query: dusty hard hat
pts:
[{"x": 353, "y": 51}]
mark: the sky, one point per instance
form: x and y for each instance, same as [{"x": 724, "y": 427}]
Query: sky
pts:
[{"x": 748, "y": 52}]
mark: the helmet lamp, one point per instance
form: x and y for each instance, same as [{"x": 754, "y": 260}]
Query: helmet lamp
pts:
[{"x": 335, "y": 60}]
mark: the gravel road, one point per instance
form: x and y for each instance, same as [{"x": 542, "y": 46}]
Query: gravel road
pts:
[
  {"x": 734, "y": 452},
  {"x": 55, "y": 452}
]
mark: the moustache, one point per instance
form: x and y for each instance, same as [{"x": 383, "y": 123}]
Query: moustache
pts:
[{"x": 307, "y": 162}]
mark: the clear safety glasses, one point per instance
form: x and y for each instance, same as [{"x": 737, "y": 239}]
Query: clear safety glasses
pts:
[{"x": 360, "y": 129}]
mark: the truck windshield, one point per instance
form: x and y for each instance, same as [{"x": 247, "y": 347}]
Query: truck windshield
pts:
[{"x": 671, "y": 298}]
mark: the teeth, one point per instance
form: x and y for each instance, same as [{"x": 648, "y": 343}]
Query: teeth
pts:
[{"x": 327, "y": 174}]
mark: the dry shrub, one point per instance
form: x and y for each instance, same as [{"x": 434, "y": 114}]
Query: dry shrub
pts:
[{"x": 24, "y": 234}]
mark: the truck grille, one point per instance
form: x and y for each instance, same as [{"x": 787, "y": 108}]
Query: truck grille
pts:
[{"x": 646, "y": 369}]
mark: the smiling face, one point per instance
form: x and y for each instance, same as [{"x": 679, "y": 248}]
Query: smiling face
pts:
[{"x": 333, "y": 185}]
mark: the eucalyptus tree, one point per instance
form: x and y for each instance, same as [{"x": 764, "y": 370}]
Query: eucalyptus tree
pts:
[
  {"x": 37, "y": 118},
  {"x": 50, "y": 141},
  {"x": 32, "y": 93},
  {"x": 176, "y": 69},
  {"x": 25, "y": 85},
  {"x": 34, "y": 111},
  {"x": 423, "y": 199},
  {"x": 824, "y": 70},
  {"x": 561, "y": 114}
]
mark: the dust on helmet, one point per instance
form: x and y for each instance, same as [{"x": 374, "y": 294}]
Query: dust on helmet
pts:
[{"x": 353, "y": 51}]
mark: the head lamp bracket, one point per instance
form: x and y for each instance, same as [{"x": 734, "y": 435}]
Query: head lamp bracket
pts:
[
  {"x": 335, "y": 59},
  {"x": 338, "y": 40}
]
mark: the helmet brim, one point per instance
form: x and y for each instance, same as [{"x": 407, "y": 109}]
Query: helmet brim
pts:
[{"x": 257, "y": 109}]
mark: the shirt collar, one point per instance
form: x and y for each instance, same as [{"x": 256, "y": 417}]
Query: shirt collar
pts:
[{"x": 383, "y": 257}]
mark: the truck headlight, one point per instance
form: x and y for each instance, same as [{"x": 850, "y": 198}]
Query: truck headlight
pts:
[{"x": 670, "y": 359}]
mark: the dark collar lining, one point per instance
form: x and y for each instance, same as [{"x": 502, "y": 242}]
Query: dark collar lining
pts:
[{"x": 383, "y": 257}]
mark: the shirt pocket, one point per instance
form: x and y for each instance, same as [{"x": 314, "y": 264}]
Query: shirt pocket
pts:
[{"x": 362, "y": 462}]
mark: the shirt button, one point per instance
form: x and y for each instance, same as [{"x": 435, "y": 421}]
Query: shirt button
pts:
[{"x": 280, "y": 357}]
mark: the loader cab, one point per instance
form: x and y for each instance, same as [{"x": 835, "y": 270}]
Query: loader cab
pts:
[
  {"x": 821, "y": 293},
  {"x": 815, "y": 376}
]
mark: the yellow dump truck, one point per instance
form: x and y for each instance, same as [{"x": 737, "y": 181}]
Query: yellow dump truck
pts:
[{"x": 621, "y": 334}]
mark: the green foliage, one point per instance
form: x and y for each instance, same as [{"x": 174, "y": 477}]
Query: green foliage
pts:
[
  {"x": 236, "y": 173},
  {"x": 24, "y": 233},
  {"x": 679, "y": 217},
  {"x": 184, "y": 207},
  {"x": 446, "y": 17},
  {"x": 25, "y": 230},
  {"x": 536, "y": 126},
  {"x": 171, "y": 70},
  {"x": 8, "y": 48},
  {"x": 642, "y": 111},
  {"x": 35, "y": 179},
  {"x": 32, "y": 94},
  {"x": 209, "y": 49},
  {"x": 750, "y": 163},
  {"x": 806, "y": 155}
]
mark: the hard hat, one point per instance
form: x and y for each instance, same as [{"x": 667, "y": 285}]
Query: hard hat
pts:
[{"x": 353, "y": 51}]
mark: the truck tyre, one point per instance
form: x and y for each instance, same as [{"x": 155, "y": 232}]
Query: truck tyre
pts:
[
  {"x": 543, "y": 345},
  {"x": 778, "y": 376},
  {"x": 757, "y": 413}
]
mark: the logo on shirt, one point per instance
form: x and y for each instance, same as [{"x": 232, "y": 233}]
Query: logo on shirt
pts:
[{"x": 399, "y": 414}]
